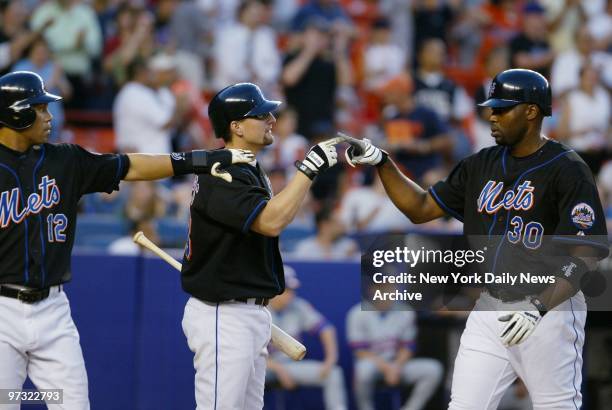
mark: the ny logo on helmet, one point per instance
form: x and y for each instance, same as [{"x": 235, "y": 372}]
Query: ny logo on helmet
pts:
[
  {"x": 18, "y": 106},
  {"x": 492, "y": 89}
]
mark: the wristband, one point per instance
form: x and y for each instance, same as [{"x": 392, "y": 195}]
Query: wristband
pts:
[
  {"x": 305, "y": 170},
  {"x": 572, "y": 269},
  {"x": 383, "y": 159},
  {"x": 193, "y": 162},
  {"x": 539, "y": 305},
  {"x": 182, "y": 163}
]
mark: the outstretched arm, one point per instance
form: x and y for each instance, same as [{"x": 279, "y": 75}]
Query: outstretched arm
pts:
[
  {"x": 416, "y": 203},
  {"x": 147, "y": 167}
]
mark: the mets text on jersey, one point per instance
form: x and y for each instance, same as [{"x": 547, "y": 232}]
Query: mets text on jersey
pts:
[{"x": 10, "y": 202}]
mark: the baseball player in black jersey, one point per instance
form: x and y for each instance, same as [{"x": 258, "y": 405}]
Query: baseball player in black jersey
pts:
[
  {"x": 525, "y": 189},
  {"x": 232, "y": 265},
  {"x": 40, "y": 186}
]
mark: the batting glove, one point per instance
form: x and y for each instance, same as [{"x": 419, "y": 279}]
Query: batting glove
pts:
[
  {"x": 519, "y": 327},
  {"x": 319, "y": 158},
  {"x": 368, "y": 155}
]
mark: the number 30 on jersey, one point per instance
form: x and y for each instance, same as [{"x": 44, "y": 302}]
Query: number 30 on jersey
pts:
[{"x": 530, "y": 233}]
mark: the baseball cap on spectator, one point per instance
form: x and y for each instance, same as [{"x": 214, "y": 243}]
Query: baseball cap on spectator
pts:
[
  {"x": 533, "y": 7},
  {"x": 291, "y": 280}
]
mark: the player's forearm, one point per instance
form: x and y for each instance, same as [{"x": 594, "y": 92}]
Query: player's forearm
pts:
[
  {"x": 294, "y": 71},
  {"x": 282, "y": 208},
  {"x": 330, "y": 346},
  {"x": 147, "y": 167},
  {"x": 407, "y": 195}
]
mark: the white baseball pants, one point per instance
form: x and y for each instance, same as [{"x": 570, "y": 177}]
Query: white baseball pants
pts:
[
  {"x": 40, "y": 340},
  {"x": 549, "y": 362},
  {"x": 230, "y": 343}
]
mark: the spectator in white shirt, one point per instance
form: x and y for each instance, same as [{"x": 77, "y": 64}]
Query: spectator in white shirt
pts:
[
  {"x": 585, "y": 118},
  {"x": 247, "y": 51},
  {"x": 383, "y": 59},
  {"x": 145, "y": 112}
]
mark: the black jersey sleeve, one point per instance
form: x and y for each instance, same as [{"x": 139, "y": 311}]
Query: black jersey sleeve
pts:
[
  {"x": 98, "y": 172},
  {"x": 235, "y": 204},
  {"x": 581, "y": 216},
  {"x": 450, "y": 194}
]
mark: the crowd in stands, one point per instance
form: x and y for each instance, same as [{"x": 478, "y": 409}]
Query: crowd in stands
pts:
[{"x": 405, "y": 73}]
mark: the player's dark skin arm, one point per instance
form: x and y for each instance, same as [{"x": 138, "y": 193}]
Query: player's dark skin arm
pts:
[
  {"x": 562, "y": 289},
  {"x": 407, "y": 195}
]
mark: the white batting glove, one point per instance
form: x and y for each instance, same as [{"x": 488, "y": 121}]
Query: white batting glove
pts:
[
  {"x": 220, "y": 160},
  {"x": 519, "y": 327},
  {"x": 241, "y": 156},
  {"x": 367, "y": 154},
  {"x": 319, "y": 158}
]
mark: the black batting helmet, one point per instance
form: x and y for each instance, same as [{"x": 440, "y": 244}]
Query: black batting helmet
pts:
[
  {"x": 519, "y": 86},
  {"x": 237, "y": 102},
  {"x": 19, "y": 91}
]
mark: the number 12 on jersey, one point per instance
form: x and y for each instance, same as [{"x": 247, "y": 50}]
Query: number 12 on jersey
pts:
[
  {"x": 531, "y": 234},
  {"x": 56, "y": 225}
]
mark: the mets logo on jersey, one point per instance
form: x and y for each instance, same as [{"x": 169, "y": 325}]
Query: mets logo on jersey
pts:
[
  {"x": 520, "y": 199},
  {"x": 11, "y": 201},
  {"x": 583, "y": 216}
]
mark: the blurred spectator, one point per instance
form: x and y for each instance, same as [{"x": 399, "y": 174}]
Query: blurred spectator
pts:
[
  {"x": 145, "y": 111},
  {"x": 433, "y": 19},
  {"x": 133, "y": 39},
  {"x": 501, "y": 20},
  {"x": 73, "y": 33},
  {"x": 254, "y": 54},
  {"x": 399, "y": 13},
  {"x": 288, "y": 146},
  {"x": 383, "y": 338},
  {"x": 15, "y": 38},
  {"x": 329, "y": 243},
  {"x": 283, "y": 12},
  {"x": 125, "y": 245},
  {"x": 585, "y": 119},
  {"x": 222, "y": 12},
  {"x": 530, "y": 49},
  {"x": 313, "y": 73},
  {"x": 432, "y": 89},
  {"x": 565, "y": 70},
  {"x": 417, "y": 137},
  {"x": 39, "y": 61},
  {"x": 368, "y": 209},
  {"x": 329, "y": 11},
  {"x": 383, "y": 59},
  {"x": 296, "y": 316},
  {"x": 192, "y": 36},
  {"x": 496, "y": 61},
  {"x": 144, "y": 201},
  {"x": 600, "y": 27},
  {"x": 564, "y": 17}
]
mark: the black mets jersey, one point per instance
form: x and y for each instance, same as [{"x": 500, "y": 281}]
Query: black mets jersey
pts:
[
  {"x": 223, "y": 258},
  {"x": 40, "y": 189},
  {"x": 527, "y": 206}
]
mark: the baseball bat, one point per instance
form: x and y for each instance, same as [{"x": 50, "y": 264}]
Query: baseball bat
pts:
[{"x": 280, "y": 339}]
